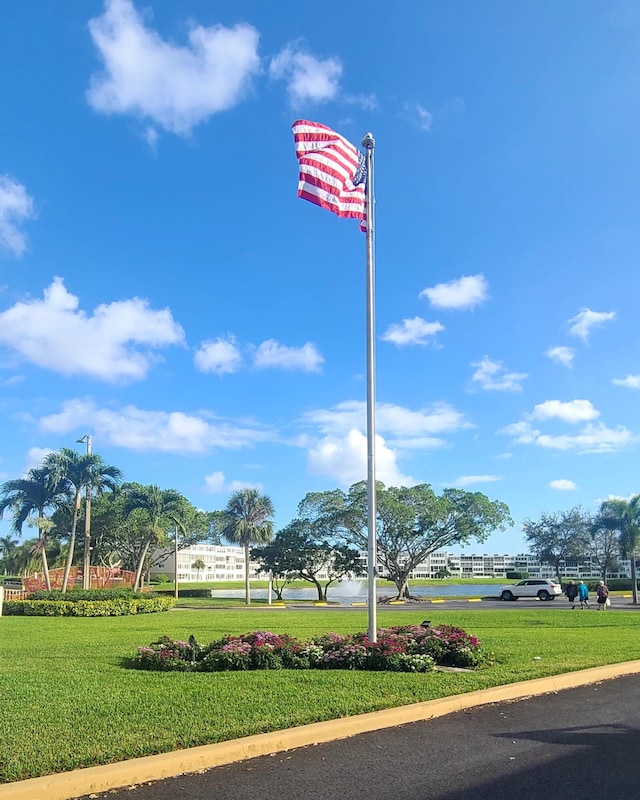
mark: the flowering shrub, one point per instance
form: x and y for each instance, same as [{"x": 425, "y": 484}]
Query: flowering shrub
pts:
[
  {"x": 234, "y": 654},
  {"x": 407, "y": 648},
  {"x": 166, "y": 654}
]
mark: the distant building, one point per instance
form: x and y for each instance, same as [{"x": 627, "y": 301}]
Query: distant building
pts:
[
  {"x": 221, "y": 563},
  {"x": 226, "y": 563}
]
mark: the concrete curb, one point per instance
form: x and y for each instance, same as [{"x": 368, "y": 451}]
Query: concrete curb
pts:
[{"x": 67, "y": 785}]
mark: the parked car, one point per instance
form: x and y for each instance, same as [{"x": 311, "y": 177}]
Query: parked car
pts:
[{"x": 542, "y": 588}]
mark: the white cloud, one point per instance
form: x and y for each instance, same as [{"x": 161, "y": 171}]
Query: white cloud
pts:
[
  {"x": 586, "y": 320},
  {"x": 420, "y": 116},
  {"x": 572, "y": 411},
  {"x": 216, "y": 483},
  {"x": 403, "y": 427},
  {"x": 368, "y": 102},
  {"x": 35, "y": 457},
  {"x": 411, "y": 331},
  {"x": 156, "y": 431},
  {"x": 220, "y": 356},
  {"x": 562, "y": 485},
  {"x": 493, "y": 376},
  {"x": 345, "y": 460},
  {"x": 470, "y": 480},
  {"x": 52, "y": 333},
  {"x": 309, "y": 79},
  {"x": 273, "y": 354},
  {"x": 15, "y": 207},
  {"x": 177, "y": 87},
  {"x": 593, "y": 438},
  {"x": 561, "y": 355},
  {"x": 631, "y": 381},
  {"x": 465, "y": 292}
]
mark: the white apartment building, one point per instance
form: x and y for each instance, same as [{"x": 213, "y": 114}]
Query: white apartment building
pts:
[
  {"x": 221, "y": 563},
  {"x": 226, "y": 563}
]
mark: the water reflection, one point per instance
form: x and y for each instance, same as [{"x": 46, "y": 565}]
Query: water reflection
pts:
[{"x": 350, "y": 593}]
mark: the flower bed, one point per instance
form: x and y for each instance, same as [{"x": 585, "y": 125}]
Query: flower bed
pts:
[{"x": 405, "y": 648}]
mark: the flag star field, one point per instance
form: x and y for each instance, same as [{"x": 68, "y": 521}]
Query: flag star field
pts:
[{"x": 164, "y": 289}]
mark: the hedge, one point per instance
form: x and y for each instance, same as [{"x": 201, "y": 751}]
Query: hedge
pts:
[
  {"x": 89, "y": 594},
  {"x": 87, "y": 608},
  {"x": 186, "y": 592}
]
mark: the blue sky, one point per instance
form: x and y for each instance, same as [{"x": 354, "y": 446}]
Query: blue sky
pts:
[{"x": 163, "y": 289}]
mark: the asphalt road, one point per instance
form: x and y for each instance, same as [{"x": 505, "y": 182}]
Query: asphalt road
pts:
[
  {"x": 618, "y": 603},
  {"x": 578, "y": 743}
]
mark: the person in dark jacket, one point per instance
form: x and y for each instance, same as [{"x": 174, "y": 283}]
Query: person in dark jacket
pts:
[
  {"x": 603, "y": 595},
  {"x": 571, "y": 590}
]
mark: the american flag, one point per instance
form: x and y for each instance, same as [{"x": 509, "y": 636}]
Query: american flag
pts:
[{"x": 333, "y": 171}]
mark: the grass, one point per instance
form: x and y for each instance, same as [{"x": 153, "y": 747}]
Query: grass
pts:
[{"x": 67, "y": 700}]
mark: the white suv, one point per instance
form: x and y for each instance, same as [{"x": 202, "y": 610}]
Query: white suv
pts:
[{"x": 541, "y": 588}]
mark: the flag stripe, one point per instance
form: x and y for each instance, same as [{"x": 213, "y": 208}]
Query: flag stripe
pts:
[{"x": 328, "y": 163}]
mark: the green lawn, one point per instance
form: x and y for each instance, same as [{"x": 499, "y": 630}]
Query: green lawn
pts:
[{"x": 67, "y": 700}]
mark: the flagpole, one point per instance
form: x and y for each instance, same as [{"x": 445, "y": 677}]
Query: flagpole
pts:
[{"x": 368, "y": 142}]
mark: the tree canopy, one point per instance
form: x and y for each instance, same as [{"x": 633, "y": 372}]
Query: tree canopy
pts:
[
  {"x": 623, "y": 516},
  {"x": 559, "y": 537},
  {"x": 412, "y": 522},
  {"x": 298, "y": 552}
]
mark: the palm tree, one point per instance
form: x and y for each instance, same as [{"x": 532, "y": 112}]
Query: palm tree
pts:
[
  {"x": 198, "y": 564},
  {"x": 24, "y": 561},
  {"x": 78, "y": 471},
  {"x": 7, "y": 548},
  {"x": 35, "y": 493},
  {"x": 623, "y": 516},
  {"x": 160, "y": 508},
  {"x": 246, "y": 522}
]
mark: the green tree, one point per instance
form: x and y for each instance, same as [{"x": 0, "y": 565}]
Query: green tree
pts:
[
  {"x": 156, "y": 511},
  {"x": 78, "y": 472},
  {"x": 560, "y": 537},
  {"x": 297, "y": 551},
  {"x": 623, "y": 516},
  {"x": 247, "y": 520},
  {"x": 198, "y": 565},
  {"x": 36, "y": 494},
  {"x": 604, "y": 546},
  {"x": 8, "y": 548},
  {"x": 412, "y": 522}
]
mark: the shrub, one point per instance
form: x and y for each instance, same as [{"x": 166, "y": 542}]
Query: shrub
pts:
[
  {"x": 117, "y": 607},
  {"x": 166, "y": 655},
  {"x": 409, "y": 648},
  {"x": 88, "y": 594},
  {"x": 186, "y": 592}
]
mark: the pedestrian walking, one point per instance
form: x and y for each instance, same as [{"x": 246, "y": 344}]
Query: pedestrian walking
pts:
[
  {"x": 571, "y": 590},
  {"x": 603, "y": 595},
  {"x": 583, "y": 594}
]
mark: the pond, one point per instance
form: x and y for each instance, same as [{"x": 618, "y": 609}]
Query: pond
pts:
[{"x": 356, "y": 591}]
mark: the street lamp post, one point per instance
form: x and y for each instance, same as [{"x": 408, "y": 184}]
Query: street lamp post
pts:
[{"x": 86, "y": 566}]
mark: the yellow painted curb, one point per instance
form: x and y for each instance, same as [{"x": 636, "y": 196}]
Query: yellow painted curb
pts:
[
  {"x": 437, "y": 601},
  {"x": 66, "y": 785},
  {"x": 474, "y": 600},
  {"x": 358, "y": 604},
  {"x": 396, "y": 602}
]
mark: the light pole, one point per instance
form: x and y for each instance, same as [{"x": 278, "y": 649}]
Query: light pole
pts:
[
  {"x": 86, "y": 565},
  {"x": 175, "y": 565}
]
